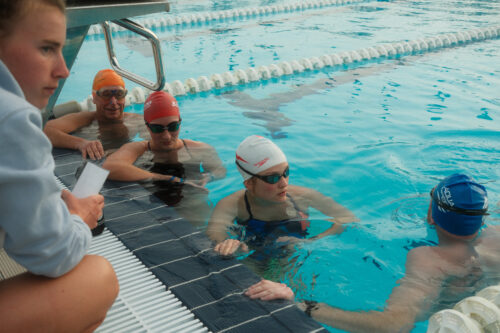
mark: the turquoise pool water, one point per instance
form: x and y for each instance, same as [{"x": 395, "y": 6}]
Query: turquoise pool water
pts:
[{"x": 375, "y": 136}]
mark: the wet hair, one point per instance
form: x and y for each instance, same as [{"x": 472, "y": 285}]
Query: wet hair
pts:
[{"x": 11, "y": 11}]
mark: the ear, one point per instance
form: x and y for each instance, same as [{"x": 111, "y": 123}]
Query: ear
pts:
[
  {"x": 430, "y": 220},
  {"x": 94, "y": 97},
  {"x": 249, "y": 184}
]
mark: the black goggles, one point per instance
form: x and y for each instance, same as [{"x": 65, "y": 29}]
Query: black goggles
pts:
[
  {"x": 157, "y": 128},
  {"x": 270, "y": 179},
  {"x": 458, "y": 210},
  {"x": 109, "y": 93}
]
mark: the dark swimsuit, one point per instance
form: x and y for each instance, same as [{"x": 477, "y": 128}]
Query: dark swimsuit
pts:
[
  {"x": 174, "y": 169},
  {"x": 260, "y": 233},
  {"x": 168, "y": 192}
]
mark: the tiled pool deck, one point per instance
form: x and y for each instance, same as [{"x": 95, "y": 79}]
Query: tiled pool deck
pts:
[{"x": 181, "y": 257}]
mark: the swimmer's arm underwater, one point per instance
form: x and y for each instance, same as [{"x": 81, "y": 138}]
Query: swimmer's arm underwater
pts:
[
  {"x": 222, "y": 218},
  {"x": 57, "y": 130},
  {"x": 407, "y": 303},
  {"x": 121, "y": 165},
  {"x": 330, "y": 207},
  {"x": 213, "y": 169},
  {"x": 349, "y": 321},
  {"x": 326, "y": 205},
  {"x": 353, "y": 321}
]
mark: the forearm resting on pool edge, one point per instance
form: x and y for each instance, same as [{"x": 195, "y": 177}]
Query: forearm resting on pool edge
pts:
[
  {"x": 352, "y": 321},
  {"x": 128, "y": 172}
]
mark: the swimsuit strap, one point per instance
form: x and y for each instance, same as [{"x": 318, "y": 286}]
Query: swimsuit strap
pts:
[
  {"x": 247, "y": 204},
  {"x": 295, "y": 205},
  {"x": 186, "y": 147}
]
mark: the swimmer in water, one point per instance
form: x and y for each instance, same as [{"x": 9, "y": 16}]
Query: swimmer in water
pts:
[
  {"x": 269, "y": 208},
  {"x": 97, "y": 133},
  {"x": 178, "y": 169},
  {"x": 466, "y": 260}
]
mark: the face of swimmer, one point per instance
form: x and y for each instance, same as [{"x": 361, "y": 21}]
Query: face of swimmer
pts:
[
  {"x": 165, "y": 138},
  {"x": 110, "y": 103},
  {"x": 270, "y": 192},
  {"x": 32, "y": 50}
]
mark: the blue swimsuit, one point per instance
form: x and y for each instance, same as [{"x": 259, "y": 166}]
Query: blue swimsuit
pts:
[{"x": 259, "y": 233}]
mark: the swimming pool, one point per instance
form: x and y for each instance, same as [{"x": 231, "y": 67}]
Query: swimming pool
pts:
[{"x": 375, "y": 135}]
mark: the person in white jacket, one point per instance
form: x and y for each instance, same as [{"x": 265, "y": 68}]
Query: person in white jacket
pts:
[{"x": 42, "y": 229}]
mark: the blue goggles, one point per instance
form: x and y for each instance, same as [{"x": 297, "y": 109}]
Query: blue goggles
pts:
[{"x": 270, "y": 179}]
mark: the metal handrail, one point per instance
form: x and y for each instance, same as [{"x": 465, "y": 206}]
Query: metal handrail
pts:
[{"x": 155, "y": 44}]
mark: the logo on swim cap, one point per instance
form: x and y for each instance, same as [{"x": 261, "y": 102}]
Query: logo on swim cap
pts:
[
  {"x": 238, "y": 157},
  {"x": 160, "y": 104},
  {"x": 261, "y": 163},
  {"x": 444, "y": 195}
]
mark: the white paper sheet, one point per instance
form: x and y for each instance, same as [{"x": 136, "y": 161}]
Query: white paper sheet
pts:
[{"x": 90, "y": 181}]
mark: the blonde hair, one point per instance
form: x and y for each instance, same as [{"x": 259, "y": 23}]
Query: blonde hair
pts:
[{"x": 11, "y": 11}]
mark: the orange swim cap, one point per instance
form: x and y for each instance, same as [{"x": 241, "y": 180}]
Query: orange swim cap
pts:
[
  {"x": 107, "y": 77},
  {"x": 160, "y": 104}
]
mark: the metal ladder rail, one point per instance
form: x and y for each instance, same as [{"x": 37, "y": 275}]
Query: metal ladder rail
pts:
[
  {"x": 155, "y": 44},
  {"x": 83, "y": 13}
]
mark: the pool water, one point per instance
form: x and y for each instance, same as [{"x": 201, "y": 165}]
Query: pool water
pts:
[{"x": 375, "y": 136}]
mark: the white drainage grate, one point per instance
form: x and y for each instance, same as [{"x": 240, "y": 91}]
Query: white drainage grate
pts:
[{"x": 143, "y": 304}]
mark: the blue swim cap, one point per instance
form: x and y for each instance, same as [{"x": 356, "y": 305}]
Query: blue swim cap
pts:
[{"x": 459, "y": 205}]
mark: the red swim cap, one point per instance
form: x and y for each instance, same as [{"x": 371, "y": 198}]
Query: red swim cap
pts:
[{"x": 160, "y": 104}]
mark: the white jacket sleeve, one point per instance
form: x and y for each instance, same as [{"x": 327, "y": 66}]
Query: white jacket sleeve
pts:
[{"x": 40, "y": 233}]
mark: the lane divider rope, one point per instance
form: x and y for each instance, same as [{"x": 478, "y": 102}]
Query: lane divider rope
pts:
[
  {"x": 169, "y": 21},
  {"x": 474, "y": 314},
  {"x": 240, "y": 77}
]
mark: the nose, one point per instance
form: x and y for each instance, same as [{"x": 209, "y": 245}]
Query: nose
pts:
[
  {"x": 166, "y": 134},
  {"x": 60, "y": 69},
  {"x": 283, "y": 181},
  {"x": 113, "y": 100}
]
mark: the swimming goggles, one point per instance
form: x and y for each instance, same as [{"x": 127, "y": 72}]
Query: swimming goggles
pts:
[
  {"x": 270, "y": 179},
  {"x": 157, "y": 128},
  {"x": 458, "y": 210},
  {"x": 109, "y": 93}
]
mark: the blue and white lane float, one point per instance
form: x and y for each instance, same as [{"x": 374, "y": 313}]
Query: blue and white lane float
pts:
[
  {"x": 239, "y": 77},
  {"x": 475, "y": 314},
  {"x": 207, "y": 18}
]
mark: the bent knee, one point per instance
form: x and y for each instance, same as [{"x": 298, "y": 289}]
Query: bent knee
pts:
[{"x": 102, "y": 273}]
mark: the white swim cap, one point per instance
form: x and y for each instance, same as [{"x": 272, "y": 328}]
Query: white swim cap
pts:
[{"x": 256, "y": 154}]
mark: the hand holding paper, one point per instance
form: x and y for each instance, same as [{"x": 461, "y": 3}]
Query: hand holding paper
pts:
[{"x": 84, "y": 201}]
